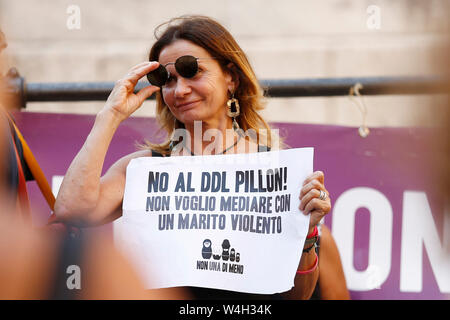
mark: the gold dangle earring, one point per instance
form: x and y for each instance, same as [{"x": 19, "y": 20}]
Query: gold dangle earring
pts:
[{"x": 233, "y": 111}]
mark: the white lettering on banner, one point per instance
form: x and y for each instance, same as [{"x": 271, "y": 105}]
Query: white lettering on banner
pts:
[
  {"x": 418, "y": 231},
  {"x": 56, "y": 184},
  {"x": 418, "y": 228},
  {"x": 380, "y": 238}
]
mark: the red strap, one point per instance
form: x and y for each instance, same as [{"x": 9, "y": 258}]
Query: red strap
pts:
[{"x": 314, "y": 233}]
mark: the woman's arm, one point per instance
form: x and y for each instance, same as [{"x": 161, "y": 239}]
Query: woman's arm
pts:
[
  {"x": 304, "y": 284},
  {"x": 310, "y": 203},
  {"x": 84, "y": 197}
]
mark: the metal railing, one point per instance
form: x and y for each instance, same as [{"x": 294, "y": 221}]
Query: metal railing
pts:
[{"x": 24, "y": 92}]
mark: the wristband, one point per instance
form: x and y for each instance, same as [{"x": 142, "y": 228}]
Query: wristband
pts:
[
  {"x": 307, "y": 250},
  {"x": 314, "y": 233},
  {"x": 312, "y": 269},
  {"x": 311, "y": 238}
]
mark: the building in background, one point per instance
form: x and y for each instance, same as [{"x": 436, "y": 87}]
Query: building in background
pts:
[
  {"x": 79, "y": 41},
  {"x": 71, "y": 41}
]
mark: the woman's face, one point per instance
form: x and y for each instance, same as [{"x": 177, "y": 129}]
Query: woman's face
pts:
[{"x": 202, "y": 97}]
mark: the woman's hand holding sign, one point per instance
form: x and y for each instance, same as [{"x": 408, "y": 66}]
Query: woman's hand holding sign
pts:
[{"x": 314, "y": 199}]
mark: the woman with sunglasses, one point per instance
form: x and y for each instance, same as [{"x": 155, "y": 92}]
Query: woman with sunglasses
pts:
[{"x": 200, "y": 76}]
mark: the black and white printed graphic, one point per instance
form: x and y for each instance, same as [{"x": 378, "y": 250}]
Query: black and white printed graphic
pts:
[
  {"x": 206, "y": 249},
  {"x": 225, "y": 262}
]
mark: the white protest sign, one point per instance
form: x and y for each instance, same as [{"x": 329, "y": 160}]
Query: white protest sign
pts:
[{"x": 228, "y": 222}]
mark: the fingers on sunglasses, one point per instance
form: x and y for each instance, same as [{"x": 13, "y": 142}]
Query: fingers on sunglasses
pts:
[
  {"x": 186, "y": 66},
  {"x": 158, "y": 77}
]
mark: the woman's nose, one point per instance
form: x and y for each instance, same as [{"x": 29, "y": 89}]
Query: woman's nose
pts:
[{"x": 182, "y": 87}]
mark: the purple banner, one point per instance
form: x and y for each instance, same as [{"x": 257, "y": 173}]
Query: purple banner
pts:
[{"x": 387, "y": 217}]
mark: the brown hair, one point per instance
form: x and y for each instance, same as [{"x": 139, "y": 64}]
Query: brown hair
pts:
[{"x": 214, "y": 38}]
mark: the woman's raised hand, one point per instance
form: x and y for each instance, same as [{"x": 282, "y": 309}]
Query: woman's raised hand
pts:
[
  {"x": 122, "y": 100},
  {"x": 314, "y": 198}
]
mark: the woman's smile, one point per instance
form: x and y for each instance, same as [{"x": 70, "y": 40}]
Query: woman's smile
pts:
[
  {"x": 183, "y": 106},
  {"x": 202, "y": 97}
]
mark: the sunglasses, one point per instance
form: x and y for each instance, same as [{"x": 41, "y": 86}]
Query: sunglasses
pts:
[{"x": 186, "y": 66}]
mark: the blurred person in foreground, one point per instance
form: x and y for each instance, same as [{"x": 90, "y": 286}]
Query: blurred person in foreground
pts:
[
  {"x": 43, "y": 263},
  {"x": 199, "y": 74},
  {"x": 15, "y": 171}
]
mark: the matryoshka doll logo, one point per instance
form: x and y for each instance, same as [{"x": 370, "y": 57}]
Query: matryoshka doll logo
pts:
[
  {"x": 207, "y": 249},
  {"x": 224, "y": 252}
]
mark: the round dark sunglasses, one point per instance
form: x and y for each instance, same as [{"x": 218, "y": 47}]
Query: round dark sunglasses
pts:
[{"x": 186, "y": 66}]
